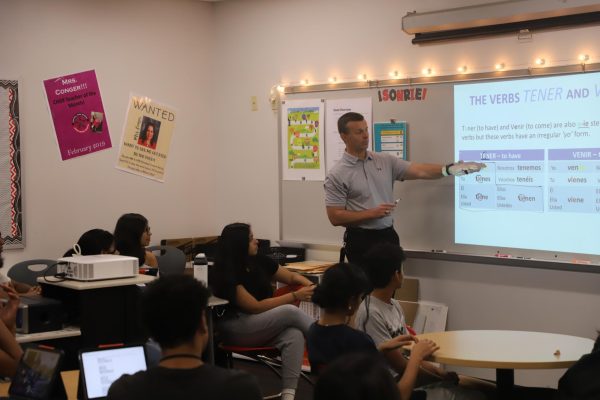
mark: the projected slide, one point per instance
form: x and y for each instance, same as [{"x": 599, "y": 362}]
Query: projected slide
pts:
[{"x": 540, "y": 139}]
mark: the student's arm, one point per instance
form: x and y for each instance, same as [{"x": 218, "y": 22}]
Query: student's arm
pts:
[
  {"x": 376, "y": 327},
  {"x": 151, "y": 260},
  {"x": 8, "y": 311},
  {"x": 248, "y": 303},
  {"x": 10, "y": 351},
  {"x": 421, "y": 350},
  {"x": 339, "y": 216},
  {"x": 288, "y": 277},
  {"x": 23, "y": 288}
]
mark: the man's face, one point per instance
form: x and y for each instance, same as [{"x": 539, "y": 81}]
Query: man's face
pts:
[{"x": 356, "y": 137}]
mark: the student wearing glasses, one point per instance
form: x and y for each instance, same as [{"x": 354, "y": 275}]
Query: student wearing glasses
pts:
[{"x": 132, "y": 236}]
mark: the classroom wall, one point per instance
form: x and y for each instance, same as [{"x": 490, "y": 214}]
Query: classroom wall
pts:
[
  {"x": 154, "y": 48},
  {"x": 207, "y": 60},
  {"x": 264, "y": 42}
]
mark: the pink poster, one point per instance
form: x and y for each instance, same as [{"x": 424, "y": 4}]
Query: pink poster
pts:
[{"x": 78, "y": 114}]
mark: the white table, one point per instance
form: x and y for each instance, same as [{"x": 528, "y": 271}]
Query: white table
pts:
[
  {"x": 508, "y": 350},
  {"x": 107, "y": 311},
  {"x": 69, "y": 331}
]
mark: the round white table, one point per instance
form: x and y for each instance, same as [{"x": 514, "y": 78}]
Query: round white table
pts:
[{"x": 507, "y": 350}]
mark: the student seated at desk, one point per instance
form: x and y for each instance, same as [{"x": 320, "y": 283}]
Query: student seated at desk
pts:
[
  {"x": 10, "y": 351},
  {"x": 581, "y": 382},
  {"x": 20, "y": 287},
  {"x": 339, "y": 294},
  {"x": 358, "y": 376},
  {"x": 253, "y": 317},
  {"x": 132, "y": 236},
  {"x": 92, "y": 242},
  {"x": 174, "y": 313},
  {"x": 381, "y": 317}
]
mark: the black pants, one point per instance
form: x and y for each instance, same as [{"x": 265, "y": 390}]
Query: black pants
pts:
[{"x": 359, "y": 241}]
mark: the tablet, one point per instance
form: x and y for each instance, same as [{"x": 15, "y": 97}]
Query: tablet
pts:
[
  {"x": 37, "y": 374},
  {"x": 100, "y": 367}
]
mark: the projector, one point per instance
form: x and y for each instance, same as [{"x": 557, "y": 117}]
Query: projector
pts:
[{"x": 103, "y": 266}]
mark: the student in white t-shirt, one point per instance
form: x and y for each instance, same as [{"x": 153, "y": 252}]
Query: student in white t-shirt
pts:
[{"x": 381, "y": 317}]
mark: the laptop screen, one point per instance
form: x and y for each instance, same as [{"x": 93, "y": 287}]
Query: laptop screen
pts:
[
  {"x": 100, "y": 368},
  {"x": 36, "y": 373}
]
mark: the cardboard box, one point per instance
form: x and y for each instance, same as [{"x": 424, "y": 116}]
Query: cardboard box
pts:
[
  {"x": 422, "y": 316},
  {"x": 409, "y": 290}
]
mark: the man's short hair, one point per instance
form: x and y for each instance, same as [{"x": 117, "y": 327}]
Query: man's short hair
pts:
[
  {"x": 348, "y": 117},
  {"x": 382, "y": 261},
  {"x": 172, "y": 309}
]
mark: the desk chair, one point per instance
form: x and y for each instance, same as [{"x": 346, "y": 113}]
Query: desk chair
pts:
[
  {"x": 171, "y": 260},
  {"x": 25, "y": 273},
  {"x": 268, "y": 356}
]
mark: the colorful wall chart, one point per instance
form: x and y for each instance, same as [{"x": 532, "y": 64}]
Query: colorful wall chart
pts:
[
  {"x": 390, "y": 137},
  {"x": 302, "y": 143}
]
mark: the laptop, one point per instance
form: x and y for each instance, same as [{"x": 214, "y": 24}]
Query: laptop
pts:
[
  {"x": 100, "y": 367},
  {"x": 38, "y": 375}
]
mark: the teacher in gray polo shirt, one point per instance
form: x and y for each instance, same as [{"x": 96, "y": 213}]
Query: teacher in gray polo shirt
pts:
[{"x": 359, "y": 188}]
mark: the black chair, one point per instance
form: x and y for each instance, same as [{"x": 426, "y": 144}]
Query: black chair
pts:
[
  {"x": 28, "y": 271},
  {"x": 171, "y": 260}
]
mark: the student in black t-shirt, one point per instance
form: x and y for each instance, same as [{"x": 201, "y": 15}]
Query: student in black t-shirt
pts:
[
  {"x": 357, "y": 376},
  {"x": 254, "y": 317},
  {"x": 174, "y": 312},
  {"x": 339, "y": 294}
]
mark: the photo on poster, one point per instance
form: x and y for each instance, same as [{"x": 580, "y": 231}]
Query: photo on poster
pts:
[
  {"x": 96, "y": 119},
  {"x": 149, "y": 132}
]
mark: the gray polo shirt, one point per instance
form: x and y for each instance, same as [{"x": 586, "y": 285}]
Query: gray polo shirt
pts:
[{"x": 362, "y": 184}]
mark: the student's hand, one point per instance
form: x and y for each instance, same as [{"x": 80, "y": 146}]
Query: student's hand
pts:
[
  {"x": 13, "y": 296},
  {"x": 8, "y": 311},
  {"x": 423, "y": 349},
  {"x": 304, "y": 293},
  {"x": 33, "y": 291},
  {"x": 383, "y": 210},
  {"x": 397, "y": 342}
]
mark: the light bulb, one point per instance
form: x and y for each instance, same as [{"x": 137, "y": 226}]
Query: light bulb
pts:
[
  {"x": 499, "y": 66},
  {"x": 462, "y": 69},
  {"x": 540, "y": 61}
]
